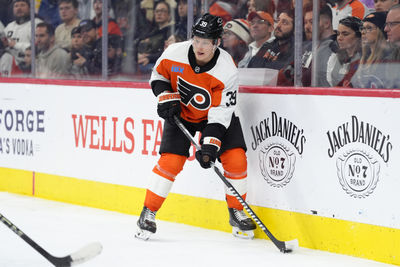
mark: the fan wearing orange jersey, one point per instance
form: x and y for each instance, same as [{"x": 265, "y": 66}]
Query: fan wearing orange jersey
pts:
[{"x": 198, "y": 82}]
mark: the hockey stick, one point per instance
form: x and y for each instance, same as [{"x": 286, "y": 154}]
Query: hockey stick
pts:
[
  {"x": 283, "y": 246},
  {"x": 82, "y": 255}
]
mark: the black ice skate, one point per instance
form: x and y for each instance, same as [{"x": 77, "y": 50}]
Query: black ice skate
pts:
[
  {"x": 146, "y": 224},
  {"x": 242, "y": 226}
]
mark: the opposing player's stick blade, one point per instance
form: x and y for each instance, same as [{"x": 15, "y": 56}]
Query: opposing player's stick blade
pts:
[{"x": 82, "y": 255}]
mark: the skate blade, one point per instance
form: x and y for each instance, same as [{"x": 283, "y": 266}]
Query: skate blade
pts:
[
  {"x": 242, "y": 234},
  {"x": 143, "y": 234}
]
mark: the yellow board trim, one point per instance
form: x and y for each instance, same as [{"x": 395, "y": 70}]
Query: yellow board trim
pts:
[{"x": 339, "y": 236}]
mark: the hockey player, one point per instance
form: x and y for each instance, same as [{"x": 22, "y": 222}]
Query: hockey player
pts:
[{"x": 198, "y": 82}]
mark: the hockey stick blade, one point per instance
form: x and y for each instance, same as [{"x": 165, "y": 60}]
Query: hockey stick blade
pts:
[
  {"x": 86, "y": 253},
  {"x": 284, "y": 247},
  {"x": 82, "y": 255}
]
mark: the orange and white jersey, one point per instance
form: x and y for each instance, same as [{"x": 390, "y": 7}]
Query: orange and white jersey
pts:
[
  {"x": 207, "y": 92},
  {"x": 353, "y": 8}
]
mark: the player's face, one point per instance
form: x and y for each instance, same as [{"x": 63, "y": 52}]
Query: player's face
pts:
[{"x": 203, "y": 50}]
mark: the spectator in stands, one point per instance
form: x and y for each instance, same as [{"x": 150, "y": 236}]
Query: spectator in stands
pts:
[
  {"x": 261, "y": 5},
  {"x": 80, "y": 54},
  {"x": 114, "y": 55},
  {"x": 131, "y": 25},
  {"x": 307, "y": 22},
  {"x": 181, "y": 24},
  {"x": 83, "y": 57},
  {"x": 345, "y": 8},
  {"x": 235, "y": 40},
  {"x": 69, "y": 15},
  {"x": 223, "y": 9},
  {"x": 392, "y": 28},
  {"x": 26, "y": 65},
  {"x": 384, "y": 5},
  {"x": 326, "y": 39},
  {"x": 6, "y": 61},
  {"x": 89, "y": 32},
  {"x": 152, "y": 45},
  {"x": 76, "y": 39},
  {"x": 261, "y": 28},
  {"x": 345, "y": 60},
  {"x": 52, "y": 61},
  {"x": 113, "y": 27},
  {"x": 375, "y": 53},
  {"x": 278, "y": 53},
  {"x": 173, "y": 38},
  {"x": 84, "y": 8},
  {"x": 149, "y": 5},
  {"x": 48, "y": 11},
  {"x": 18, "y": 32},
  {"x": 284, "y": 5}
]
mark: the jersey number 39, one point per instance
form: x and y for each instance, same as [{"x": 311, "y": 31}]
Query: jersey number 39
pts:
[{"x": 231, "y": 99}]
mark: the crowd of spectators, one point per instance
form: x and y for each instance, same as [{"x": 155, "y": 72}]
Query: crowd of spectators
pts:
[{"x": 358, "y": 40}]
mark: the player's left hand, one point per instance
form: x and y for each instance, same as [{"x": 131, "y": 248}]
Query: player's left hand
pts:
[
  {"x": 206, "y": 155},
  {"x": 208, "y": 152}
]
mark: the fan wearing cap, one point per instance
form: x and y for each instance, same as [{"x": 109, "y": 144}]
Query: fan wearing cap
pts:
[
  {"x": 375, "y": 52},
  {"x": 83, "y": 58},
  {"x": 235, "y": 40},
  {"x": 278, "y": 53},
  {"x": 261, "y": 29},
  {"x": 198, "y": 82},
  {"x": 18, "y": 32}
]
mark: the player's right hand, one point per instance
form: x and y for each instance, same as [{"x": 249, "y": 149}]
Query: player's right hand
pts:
[{"x": 169, "y": 105}]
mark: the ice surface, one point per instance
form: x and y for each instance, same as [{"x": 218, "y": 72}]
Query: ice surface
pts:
[{"x": 62, "y": 229}]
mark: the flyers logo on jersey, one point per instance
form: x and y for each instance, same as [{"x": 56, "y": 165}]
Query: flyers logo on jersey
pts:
[{"x": 193, "y": 95}]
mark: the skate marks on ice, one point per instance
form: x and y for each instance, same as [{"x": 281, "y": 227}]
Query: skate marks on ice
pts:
[{"x": 63, "y": 227}]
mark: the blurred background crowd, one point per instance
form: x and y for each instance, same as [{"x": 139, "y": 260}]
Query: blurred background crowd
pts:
[{"x": 353, "y": 43}]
